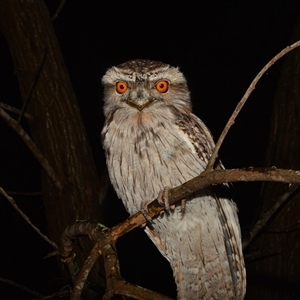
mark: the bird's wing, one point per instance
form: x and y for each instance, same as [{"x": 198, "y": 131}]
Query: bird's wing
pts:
[
  {"x": 198, "y": 134},
  {"x": 203, "y": 143}
]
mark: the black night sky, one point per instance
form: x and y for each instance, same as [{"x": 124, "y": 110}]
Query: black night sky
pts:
[{"x": 219, "y": 45}]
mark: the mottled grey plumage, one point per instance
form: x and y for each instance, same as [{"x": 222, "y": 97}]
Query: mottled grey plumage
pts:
[{"x": 152, "y": 140}]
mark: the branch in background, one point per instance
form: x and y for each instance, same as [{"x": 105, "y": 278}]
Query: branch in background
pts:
[
  {"x": 21, "y": 287},
  {"x": 25, "y": 217},
  {"x": 33, "y": 148},
  {"x": 16, "y": 111},
  {"x": 64, "y": 292},
  {"x": 261, "y": 223},
  {"x": 290, "y": 228},
  {"x": 61, "y": 5},
  {"x": 30, "y": 194},
  {"x": 33, "y": 84},
  {"x": 243, "y": 101}
]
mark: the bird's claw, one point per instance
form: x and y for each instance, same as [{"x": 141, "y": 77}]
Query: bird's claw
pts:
[
  {"x": 145, "y": 213},
  {"x": 163, "y": 200}
]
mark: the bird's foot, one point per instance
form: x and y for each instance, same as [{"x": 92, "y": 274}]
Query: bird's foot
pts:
[
  {"x": 144, "y": 211},
  {"x": 163, "y": 200}
]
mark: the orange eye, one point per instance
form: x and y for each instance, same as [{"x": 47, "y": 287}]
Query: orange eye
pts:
[
  {"x": 162, "y": 86},
  {"x": 121, "y": 87}
]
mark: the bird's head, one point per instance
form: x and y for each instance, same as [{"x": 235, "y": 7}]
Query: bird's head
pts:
[{"x": 144, "y": 86}]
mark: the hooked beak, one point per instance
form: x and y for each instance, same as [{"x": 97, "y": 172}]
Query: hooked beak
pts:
[{"x": 138, "y": 106}]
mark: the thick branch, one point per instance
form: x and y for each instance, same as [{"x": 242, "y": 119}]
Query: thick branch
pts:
[{"x": 205, "y": 180}]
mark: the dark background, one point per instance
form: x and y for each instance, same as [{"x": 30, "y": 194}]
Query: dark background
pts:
[{"x": 219, "y": 46}]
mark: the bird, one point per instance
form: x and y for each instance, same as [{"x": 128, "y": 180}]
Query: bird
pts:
[{"x": 153, "y": 142}]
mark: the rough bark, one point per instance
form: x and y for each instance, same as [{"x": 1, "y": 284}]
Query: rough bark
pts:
[
  {"x": 58, "y": 129},
  {"x": 276, "y": 274}
]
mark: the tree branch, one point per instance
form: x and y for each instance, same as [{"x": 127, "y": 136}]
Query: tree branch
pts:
[
  {"x": 80, "y": 279},
  {"x": 58, "y": 10},
  {"x": 261, "y": 223},
  {"x": 205, "y": 180},
  {"x": 106, "y": 238},
  {"x": 65, "y": 291},
  {"x": 16, "y": 111},
  {"x": 25, "y": 217},
  {"x": 21, "y": 287},
  {"x": 33, "y": 148},
  {"x": 243, "y": 101},
  {"x": 32, "y": 86}
]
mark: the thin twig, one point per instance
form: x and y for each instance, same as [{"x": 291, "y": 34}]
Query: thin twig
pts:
[
  {"x": 284, "y": 229},
  {"x": 243, "y": 101},
  {"x": 15, "y": 110},
  {"x": 30, "y": 194},
  {"x": 259, "y": 255},
  {"x": 62, "y": 3},
  {"x": 33, "y": 84},
  {"x": 84, "y": 272},
  {"x": 33, "y": 148},
  {"x": 21, "y": 287},
  {"x": 63, "y": 292},
  {"x": 261, "y": 223},
  {"x": 25, "y": 217}
]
